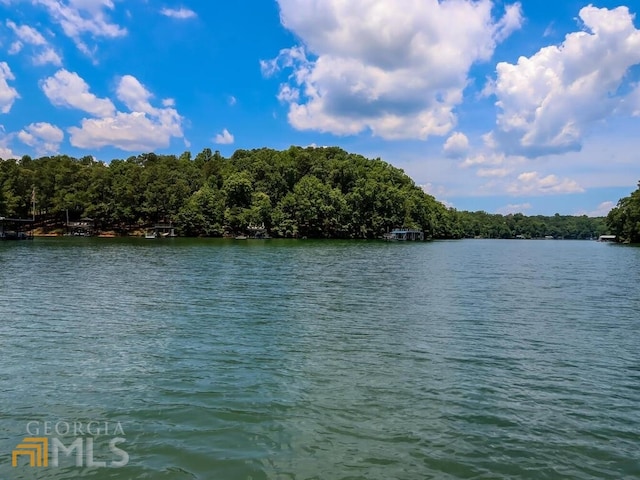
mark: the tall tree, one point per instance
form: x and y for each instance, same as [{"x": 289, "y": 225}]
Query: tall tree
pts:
[{"x": 624, "y": 219}]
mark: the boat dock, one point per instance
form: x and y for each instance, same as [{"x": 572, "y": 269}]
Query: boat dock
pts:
[
  {"x": 404, "y": 235},
  {"x": 85, "y": 227},
  {"x": 161, "y": 230},
  {"x": 16, "y": 228},
  {"x": 607, "y": 238}
]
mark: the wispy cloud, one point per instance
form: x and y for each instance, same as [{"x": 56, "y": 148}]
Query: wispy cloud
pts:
[
  {"x": 601, "y": 210},
  {"x": 533, "y": 183},
  {"x": 179, "y": 13},
  {"x": 45, "y": 54},
  {"x": 549, "y": 31},
  {"x": 514, "y": 208},
  {"x": 493, "y": 172},
  {"x": 27, "y": 34},
  {"x": 81, "y": 18}
]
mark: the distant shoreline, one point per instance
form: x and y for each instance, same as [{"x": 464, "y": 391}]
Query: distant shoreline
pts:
[{"x": 231, "y": 237}]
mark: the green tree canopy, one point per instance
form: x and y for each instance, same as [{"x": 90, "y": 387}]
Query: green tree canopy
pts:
[
  {"x": 313, "y": 192},
  {"x": 624, "y": 219}
]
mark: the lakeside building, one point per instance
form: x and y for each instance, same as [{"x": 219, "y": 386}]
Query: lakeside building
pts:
[
  {"x": 404, "y": 235},
  {"x": 258, "y": 232},
  {"x": 16, "y": 228},
  {"x": 607, "y": 238},
  {"x": 161, "y": 230},
  {"x": 85, "y": 227}
]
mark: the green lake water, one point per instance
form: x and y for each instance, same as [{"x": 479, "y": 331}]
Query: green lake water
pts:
[{"x": 276, "y": 359}]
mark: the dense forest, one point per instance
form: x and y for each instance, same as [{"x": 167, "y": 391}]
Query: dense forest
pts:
[
  {"x": 485, "y": 225},
  {"x": 624, "y": 220},
  {"x": 298, "y": 192}
]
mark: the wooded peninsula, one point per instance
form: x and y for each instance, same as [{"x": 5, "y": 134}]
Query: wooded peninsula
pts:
[{"x": 298, "y": 192}]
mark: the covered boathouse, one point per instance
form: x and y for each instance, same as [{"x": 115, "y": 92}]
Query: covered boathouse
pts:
[
  {"x": 16, "y": 228},
  {"x": 404, "y": 235}
]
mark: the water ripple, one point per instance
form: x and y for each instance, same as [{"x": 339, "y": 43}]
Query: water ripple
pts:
[{"x": 328, "y": 360}]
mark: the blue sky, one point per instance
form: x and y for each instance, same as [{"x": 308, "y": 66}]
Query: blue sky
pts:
[{"x": 530, "y": 106}]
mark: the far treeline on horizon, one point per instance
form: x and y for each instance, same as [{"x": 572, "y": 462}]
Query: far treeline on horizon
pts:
[{"x": 299, "y": 192}]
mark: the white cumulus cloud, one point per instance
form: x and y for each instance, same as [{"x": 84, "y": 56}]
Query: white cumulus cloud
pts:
[
  {"x": 134, "y": 95},
  {"x": 8, "y": 94},
  {"x": 532, "y": 183},
  {"x": 484, "y": 159},
  {"x": 68, "y": 89},
  {"x": 456, "y": 146},
  {"x": 127, "y": 131},
  {"x": 144, "y": 127},
  {"x": 43, "y": 136},
  {"x": 5, "y": 150},
  {"x": 549, "y": 100},
  {"x": 489, "y": 163},
  {"x": 397, "y": 69},
  {"x": 224, "y": 138}
]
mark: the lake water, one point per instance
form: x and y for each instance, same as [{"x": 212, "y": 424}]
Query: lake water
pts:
[{"x": 276, "y": 359}]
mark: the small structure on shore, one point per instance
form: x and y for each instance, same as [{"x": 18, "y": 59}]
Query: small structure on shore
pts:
[
  {"x": 607, "y": 238},
  {"x": 85, "y": 227},
  {"x": 16, "y": 228},
  {"x": 258, "y": 232},
  {"x": 161, "y": 230},
  {"x": 404, "y": 235}
]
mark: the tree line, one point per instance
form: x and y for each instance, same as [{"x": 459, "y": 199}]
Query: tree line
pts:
[
  {"x": 485, "y": 225},
  {"x": 298, "y": 192},
  {"x": 624, "y": 220},
  {"x": 313, "y": 192}
]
